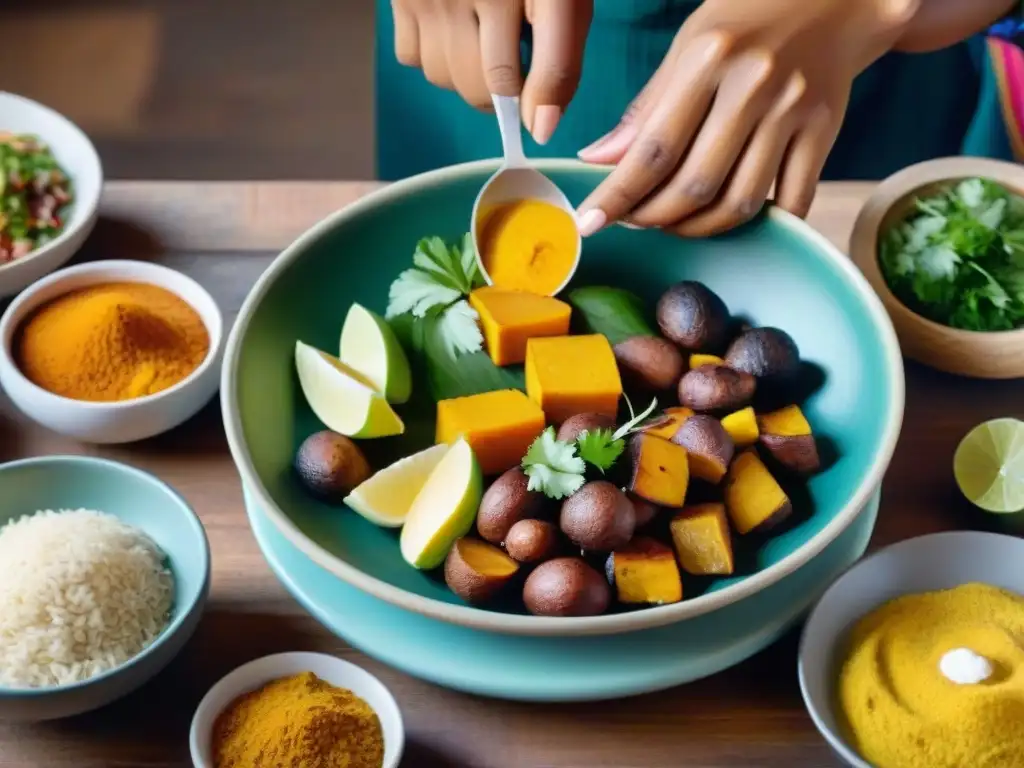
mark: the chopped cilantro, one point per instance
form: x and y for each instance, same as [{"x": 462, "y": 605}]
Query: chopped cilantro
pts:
[{"x": 958, "y": 259}]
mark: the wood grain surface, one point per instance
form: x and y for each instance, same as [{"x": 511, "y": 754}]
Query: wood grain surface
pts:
[{"x": 751, "y": 716}]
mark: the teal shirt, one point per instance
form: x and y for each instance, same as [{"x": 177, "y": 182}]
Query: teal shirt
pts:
[{"x": 905, "y": 108}]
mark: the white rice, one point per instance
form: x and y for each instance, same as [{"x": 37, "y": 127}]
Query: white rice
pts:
[{"x": 80, "y": 593}]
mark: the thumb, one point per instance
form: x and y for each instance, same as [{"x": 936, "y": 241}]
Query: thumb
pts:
[{"x": 560, "y": 30}]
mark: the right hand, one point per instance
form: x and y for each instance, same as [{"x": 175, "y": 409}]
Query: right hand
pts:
[{"x": 472, "y": 47}]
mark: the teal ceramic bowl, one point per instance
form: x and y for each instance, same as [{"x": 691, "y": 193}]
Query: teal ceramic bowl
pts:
[
  {"x": 776, "y": 271},
  {"x": 139, "y": 499}
]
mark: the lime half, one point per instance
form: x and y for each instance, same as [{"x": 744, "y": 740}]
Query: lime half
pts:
[{"x": 989, "y": 465}]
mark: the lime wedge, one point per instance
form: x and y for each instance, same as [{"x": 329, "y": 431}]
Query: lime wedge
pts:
[
  {"x": 989, "y": 465},
  {"x": 370, "y": 346},
  {"x": 386, "y": 498},
  {"x": 342, "y": 399},
  {"x": 444, "y": 509}
]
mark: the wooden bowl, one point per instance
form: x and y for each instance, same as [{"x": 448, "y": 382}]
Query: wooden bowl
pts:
[{"x": 986, "y": 355}]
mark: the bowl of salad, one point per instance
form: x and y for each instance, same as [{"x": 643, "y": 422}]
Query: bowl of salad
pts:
[
  {"x": 942, "y": 243},
  {"x": 50, "y": 183}
]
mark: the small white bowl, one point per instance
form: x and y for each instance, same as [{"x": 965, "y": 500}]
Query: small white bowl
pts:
[
  {"x": 127, "y": 420},
  {"x": 77, "y": 156},
  {"x": 924, "y": 564},
  {"x": 256, "y": 673}
]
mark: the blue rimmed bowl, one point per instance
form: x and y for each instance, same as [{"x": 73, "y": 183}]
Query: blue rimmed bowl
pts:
[
  {"x": 776, "y": 271},
  {"x": 138, "y": 499}
]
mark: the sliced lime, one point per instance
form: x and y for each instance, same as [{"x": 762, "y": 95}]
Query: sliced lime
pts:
[
  {"x": 989, "y": 465},
  {"x": 370, "y": 346},
  {"x": 386, "y": 498},
  {"x": 341, "y": 398},
  {"x": 444, "y": 509}
]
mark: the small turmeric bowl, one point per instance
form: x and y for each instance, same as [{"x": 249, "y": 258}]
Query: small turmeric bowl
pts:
[
  {"x": 342, "y": 674},
  {"x": 126, "y": 420}
]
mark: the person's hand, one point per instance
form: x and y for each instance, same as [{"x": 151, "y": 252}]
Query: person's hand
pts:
[
  {"x": 750, "y": 94},
  {"x": 472, "y": 47}
]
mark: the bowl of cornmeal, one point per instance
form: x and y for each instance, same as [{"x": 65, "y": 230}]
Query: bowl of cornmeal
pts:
[{"x": 915, "y": 657}]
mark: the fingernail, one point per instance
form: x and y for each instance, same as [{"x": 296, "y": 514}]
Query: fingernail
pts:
[
  {"x": 545, "y": 120},
  {"x": 591, "y": 221},
  {"x": 611, "y": 147}
]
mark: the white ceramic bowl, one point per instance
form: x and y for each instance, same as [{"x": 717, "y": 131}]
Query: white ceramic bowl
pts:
[
  {"x": 924, "y": 564},
  {"x": 77, "y": 156},
  {"x": 128, "y": 420},
  {"x": 256, "y": 673}
]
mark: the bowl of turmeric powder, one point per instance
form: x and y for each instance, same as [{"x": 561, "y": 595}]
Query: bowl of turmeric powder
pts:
[
  {"x": 111, "y": 351},
  {"x": 298, "y": 709}
]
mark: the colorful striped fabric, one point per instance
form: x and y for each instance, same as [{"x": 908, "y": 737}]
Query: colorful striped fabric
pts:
[{"x": 1006, "y": 54}]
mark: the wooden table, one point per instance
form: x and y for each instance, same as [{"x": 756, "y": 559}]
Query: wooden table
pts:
[{"x": 224, "y": 235}]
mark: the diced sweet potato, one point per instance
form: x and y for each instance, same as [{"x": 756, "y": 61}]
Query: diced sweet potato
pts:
[
  {"x": 708, "y": 447},
  {"x": 566, "y": 375},
  {"x": 644, "y": 572},
  {"x": 499, "y": 426},
  {"x": 753, "y": 498},
  {"x": 660, "y": 470},
  {"x": 787, "y": 438},
  {"x": 697, "y": 360},
  {"x": 702, "y": 540},
  {"x": 509, "y": 319},
  {"x": 742, "y": 427},
  {"x": 669, "y": 423}
]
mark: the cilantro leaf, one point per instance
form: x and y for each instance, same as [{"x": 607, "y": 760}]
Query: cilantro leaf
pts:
[
  {"x": 553, "y": 467},
  {"x": 435, "y": 287},
  {"x": 418, "y": 292},
  {"x": 599, "y": 448},
  {"x": 458, "y": 329}
]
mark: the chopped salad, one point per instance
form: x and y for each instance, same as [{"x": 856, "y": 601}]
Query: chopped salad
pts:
[{"x": 34, "y": 190}]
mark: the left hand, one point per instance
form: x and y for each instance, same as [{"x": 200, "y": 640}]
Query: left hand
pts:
[{"x": 749, "y": 95}]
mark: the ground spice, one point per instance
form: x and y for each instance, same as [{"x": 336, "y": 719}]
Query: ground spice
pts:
[
  {"x": 900, "y": 709},
  {"x": 298, "y": 722},
  {"x": 528, "y": 245},
  {"x": 109, "y": 342}
]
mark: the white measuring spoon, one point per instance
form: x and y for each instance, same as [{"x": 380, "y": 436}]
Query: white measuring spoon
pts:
[{"x": 516, "y": 179}]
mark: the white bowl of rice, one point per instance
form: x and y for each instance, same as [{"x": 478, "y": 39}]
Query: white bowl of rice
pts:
[{"x": 104, "y": 573}]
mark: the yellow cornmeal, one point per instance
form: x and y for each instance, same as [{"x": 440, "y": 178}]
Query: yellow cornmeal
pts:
[{"x": 902, "y": 712}]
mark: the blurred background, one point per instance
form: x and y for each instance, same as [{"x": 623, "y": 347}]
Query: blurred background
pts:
[{"x": 203, "y": 89}]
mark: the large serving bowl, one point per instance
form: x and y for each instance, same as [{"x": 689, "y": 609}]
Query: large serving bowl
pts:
[{"x": 776, "y": 271}]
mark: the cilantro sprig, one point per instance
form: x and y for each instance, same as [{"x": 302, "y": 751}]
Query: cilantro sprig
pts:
[
  {"x": 435, "y": 288},
  {"x": 958, "y": 259},
  {"x": 553, "y": 466},
  {"x": 600, "y": 448}
]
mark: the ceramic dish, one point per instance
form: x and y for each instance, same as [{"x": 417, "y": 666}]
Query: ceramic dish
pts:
[
  {"x": 826, "y": 305},
  {"x": 139, "y": 499},
  {"x": 122, "y": 421},
  {"x": 996, "y": 355},
  {"x": 256, "y": 673},
  {"x": 78, "y": 157},
  {"x": 537, "y": 668},
  {"x": 927, "y": 563}
]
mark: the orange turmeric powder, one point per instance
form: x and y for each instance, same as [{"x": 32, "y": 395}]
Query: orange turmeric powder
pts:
[
  {"x": 298, "y": 722},
  {"x": 110, "y": 342},
  {"x": 528, "y": 245}
]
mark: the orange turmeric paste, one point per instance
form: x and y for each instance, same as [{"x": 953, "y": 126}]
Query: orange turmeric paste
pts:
[
  {"x": 110, "y": 342},
  {"x": 528, "y": 245}
]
